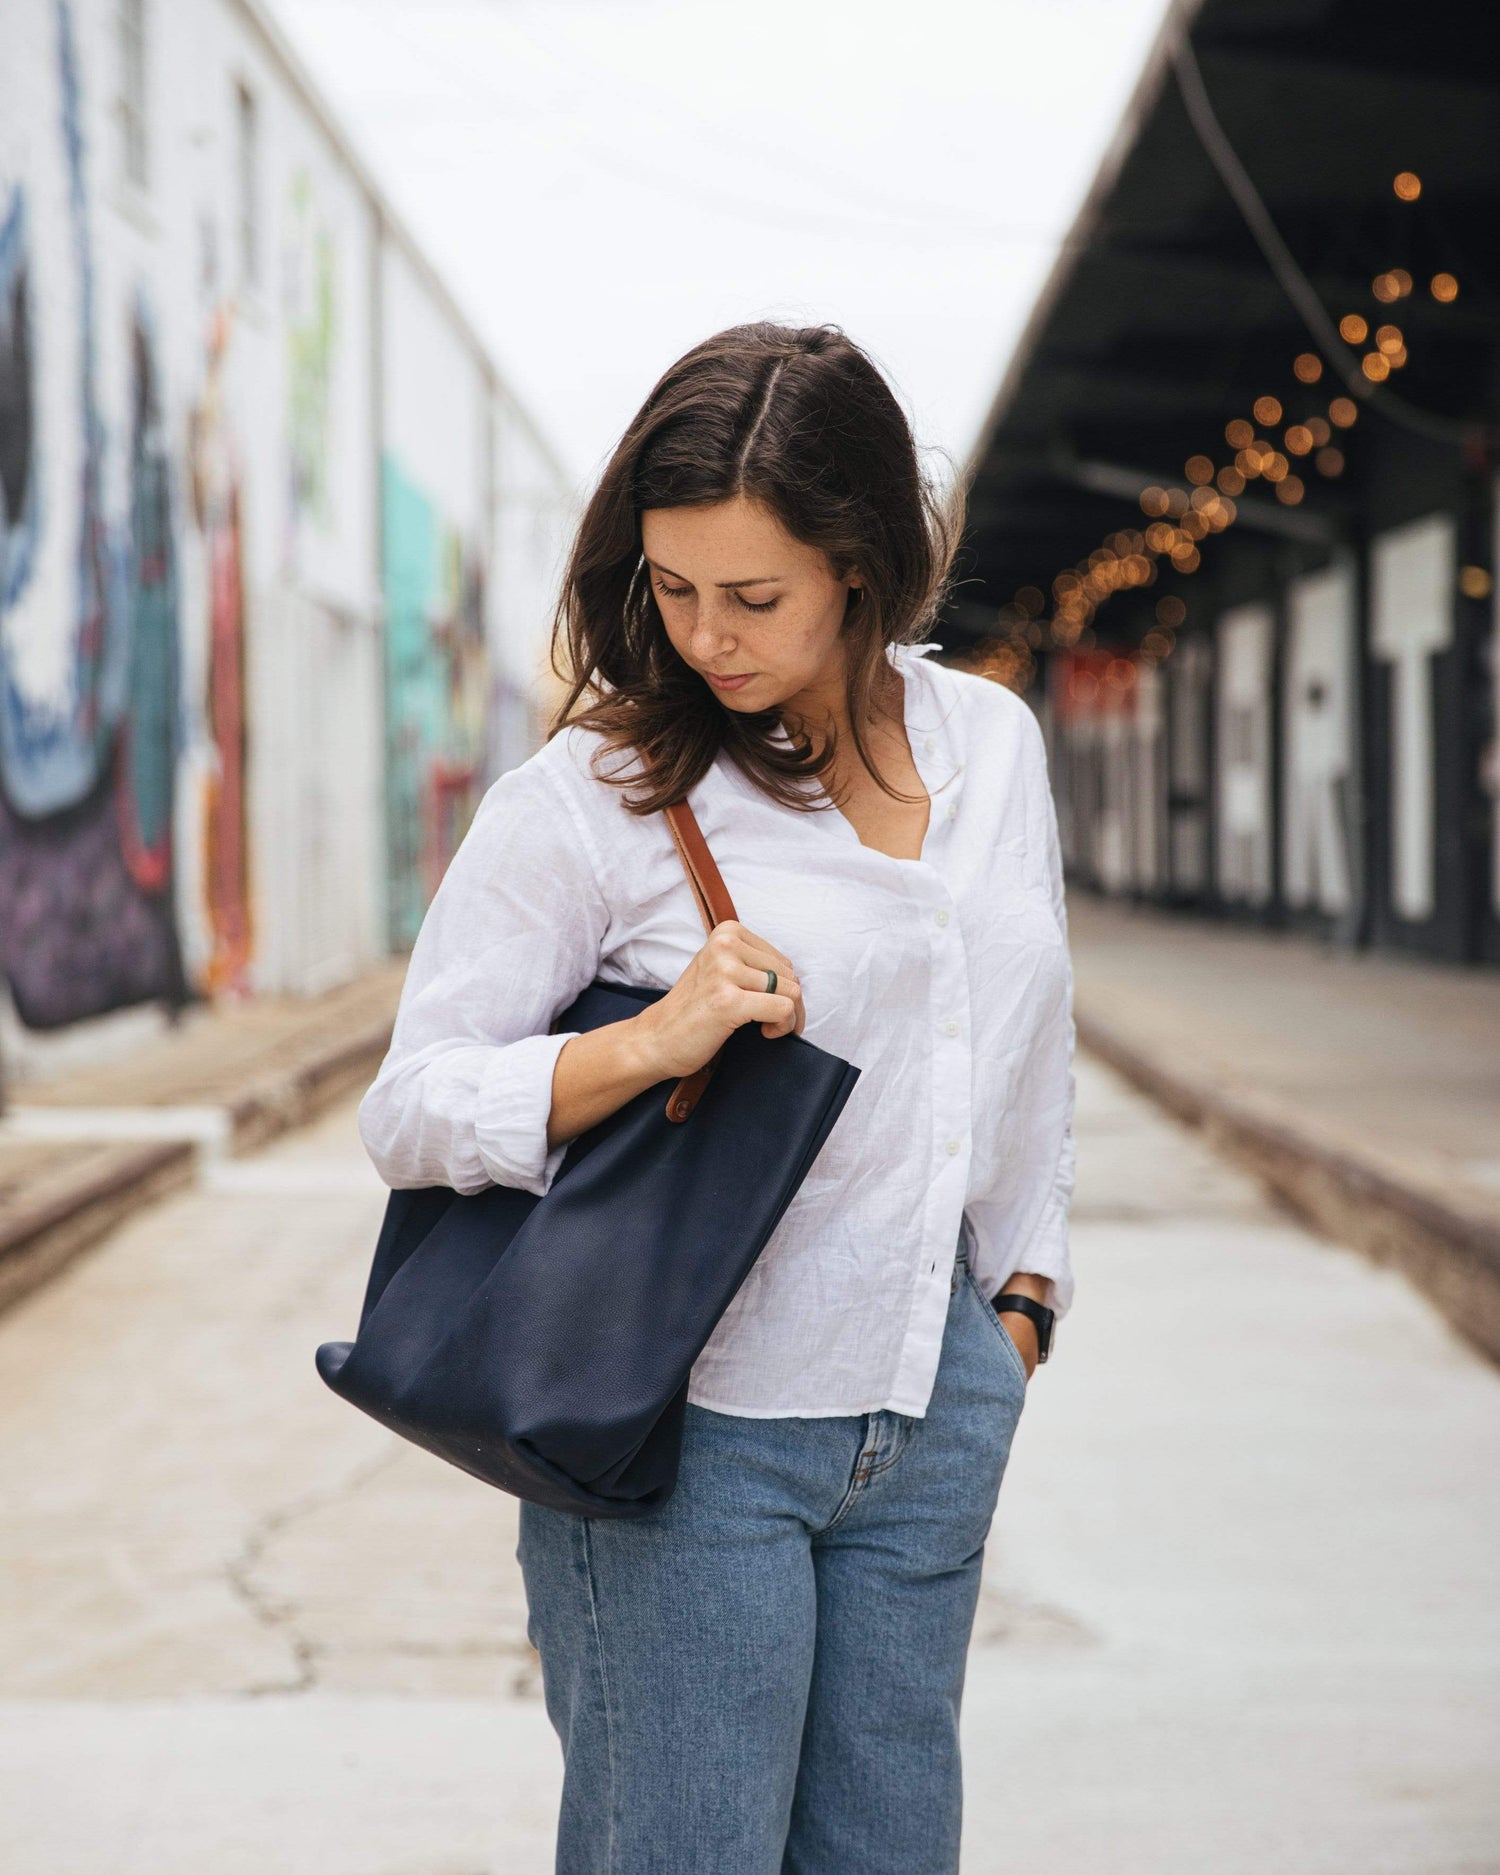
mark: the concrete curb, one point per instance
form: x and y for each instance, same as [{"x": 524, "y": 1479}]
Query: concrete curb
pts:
[
  {"x": 70, "y": 1206},
  {"x": 1343, "y": 1188},
  {"x": 60, "y": 1214}
]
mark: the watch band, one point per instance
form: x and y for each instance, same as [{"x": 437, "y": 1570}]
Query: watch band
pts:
[{"x": 1008, "y": 1302}]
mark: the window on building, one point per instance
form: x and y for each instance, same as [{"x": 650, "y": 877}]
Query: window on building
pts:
[
  {"x": 247, "y": 174},
  {"x": 130, "y": 20}
]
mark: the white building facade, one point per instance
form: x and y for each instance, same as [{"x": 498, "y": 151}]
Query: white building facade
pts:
[{"x": 276, "y": 544}]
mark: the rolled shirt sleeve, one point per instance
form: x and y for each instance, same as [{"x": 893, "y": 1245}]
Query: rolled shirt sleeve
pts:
[
  {"x": 511, "y": 937},
  {"x": 1046, "y": 1252}
]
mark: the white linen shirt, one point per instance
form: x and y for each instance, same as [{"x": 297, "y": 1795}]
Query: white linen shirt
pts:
[{"x": 944, "y": 979}]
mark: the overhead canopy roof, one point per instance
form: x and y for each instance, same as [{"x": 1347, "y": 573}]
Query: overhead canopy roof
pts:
[{"x": 1163, "y": 319}]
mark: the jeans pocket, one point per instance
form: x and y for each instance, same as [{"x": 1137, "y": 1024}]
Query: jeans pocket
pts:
[{"x": 1000, "y": 1329}]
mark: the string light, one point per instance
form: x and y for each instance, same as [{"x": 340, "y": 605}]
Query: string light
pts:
[{"x": 1179, "y": 519}]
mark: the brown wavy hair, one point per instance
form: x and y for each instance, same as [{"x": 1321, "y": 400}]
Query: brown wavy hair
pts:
[{"x": 800, "y": 420}]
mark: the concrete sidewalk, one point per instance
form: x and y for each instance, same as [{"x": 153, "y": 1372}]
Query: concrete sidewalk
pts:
[
  {"x": 81, "y": 1150},
  {"x": 1365, "y": 1091},
  {"x": 1240, "y": 1610}
]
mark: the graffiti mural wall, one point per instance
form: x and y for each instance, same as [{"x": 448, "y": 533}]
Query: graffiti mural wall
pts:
[
  {"x": 254, "y": 658},
  {"x": 89, "y": 725},
  {"x": 435, "y": 521}
]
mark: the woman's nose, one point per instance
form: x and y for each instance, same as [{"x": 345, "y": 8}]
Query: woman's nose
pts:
[{"x": 712, "y": 629}]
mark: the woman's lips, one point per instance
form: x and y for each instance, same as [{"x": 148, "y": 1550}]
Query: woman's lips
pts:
[{"x": 728, "y": 683}]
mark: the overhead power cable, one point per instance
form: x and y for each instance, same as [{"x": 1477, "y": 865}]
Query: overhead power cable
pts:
[{"x": 1293, "y": 281}]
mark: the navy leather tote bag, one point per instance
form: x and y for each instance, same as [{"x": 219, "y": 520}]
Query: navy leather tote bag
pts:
[{"x": 543, "y": 1344}]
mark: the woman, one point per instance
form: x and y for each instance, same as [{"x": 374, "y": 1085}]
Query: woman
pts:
[{"x": 765, "y": 1675}]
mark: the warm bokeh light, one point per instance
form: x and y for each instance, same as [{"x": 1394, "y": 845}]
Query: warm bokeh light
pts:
[
  {"x": 1290, "y": 490},
  {"x": 1330, "y": 461},
  {"x": 1376, "y": 367},
  {"x": 1386, "y": 288},
  {"x": 1177, "y": 501},
  {"x": 1170, "y": 610},
  {"x": 1352, "y": 328},
  {"x": 1267, "y": 411},
  {"x": 1307, "y": 367},
  {"x": 1248, "y": 462},
  {"x": 1299, "y": 439},
  {"x": 1444, "y": 288},
  {"x": 1230, "y": 480},
  {"x": 1320, "y": 430},
  {"x": 1390, "y": 339},
  {"x": 1238, "y": 433},
  {"x": 1153, "y": 500},
  {"x": 1160, "y": 536},
  {"x": 1474, "y": 582},
  {"x": 1031, "y": 602},
  {"x": 1198, "y": 469},
  {"x": 1408, "y": 185},
  {"x": 1274, "y": 466},
  {"x": 1186, "y": 557},
  {"x": 1344, "y": 412}
]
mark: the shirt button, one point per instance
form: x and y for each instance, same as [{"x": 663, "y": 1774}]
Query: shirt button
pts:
[
  {"x": 942, "y": 917},
  {"x": 953, "y": 810},
  {"x": 952, "y": 1147},
  {"x": 928, "y": 746},
  {"x": 950, "y": 1028}
]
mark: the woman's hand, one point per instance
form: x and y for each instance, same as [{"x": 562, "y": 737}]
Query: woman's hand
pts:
[{"x": 722, "y": 989}]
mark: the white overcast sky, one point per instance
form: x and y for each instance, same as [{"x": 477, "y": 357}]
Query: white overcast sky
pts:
[{"x": 605, "y": 182}]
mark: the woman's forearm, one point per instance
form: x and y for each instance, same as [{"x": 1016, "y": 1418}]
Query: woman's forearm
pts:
[{"x": 595, "y": 1074}]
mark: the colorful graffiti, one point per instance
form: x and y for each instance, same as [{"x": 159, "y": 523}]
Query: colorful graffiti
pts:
[
  {"x": 309, "y": 276},
  {"x": 88, "y": 625},
  {"x": 215, "y": 481},
  {"x": 436, "y": 689}
]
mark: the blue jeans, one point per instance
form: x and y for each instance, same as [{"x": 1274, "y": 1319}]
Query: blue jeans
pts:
[{"x": 764, "y": 1677}]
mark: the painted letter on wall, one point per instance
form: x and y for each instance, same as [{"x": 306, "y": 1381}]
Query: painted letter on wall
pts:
[{"x": 1411, "y": 618}]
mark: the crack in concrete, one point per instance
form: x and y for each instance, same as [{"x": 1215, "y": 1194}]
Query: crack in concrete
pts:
[{"x": 239, "y": 1573}]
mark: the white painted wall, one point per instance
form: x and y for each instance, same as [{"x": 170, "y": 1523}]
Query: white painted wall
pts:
[
  {"x": 1243, "y": 744},
  {"x": 1411, "y": 618},
  {"x": 1318, "y": 751}
]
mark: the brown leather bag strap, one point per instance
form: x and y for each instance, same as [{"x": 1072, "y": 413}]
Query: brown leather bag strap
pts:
[{"x": 714, "y": 907}]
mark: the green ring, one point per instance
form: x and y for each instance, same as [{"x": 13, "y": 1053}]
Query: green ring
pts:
[{"x": 770, "y": 983}]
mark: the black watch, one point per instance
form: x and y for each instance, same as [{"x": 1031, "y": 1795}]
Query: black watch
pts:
[{"x": 1008, "y": 1303}]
